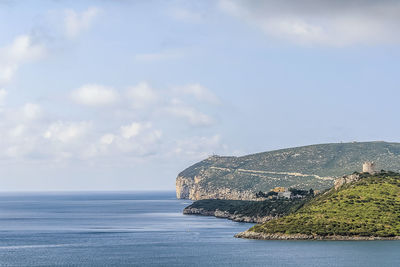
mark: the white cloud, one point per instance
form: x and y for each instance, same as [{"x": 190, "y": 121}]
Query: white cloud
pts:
[
  {"x": 17, "y": 151},
  {"x": 94, "y": 95},
  {"x": 31, "y": 111},
  {"x": 332, "y": 23},
  {"x": 138, "y": 140},
  {"x": 17, "y": 131},
  {"x": 198, "y": 147},
  {"x": 148, "y": 100},
  {"x": 193, "y": 116},
  {"x": 132, "y": 130},
  {"x": 107, "y": 139},
  {"x": 134, "y": 140},
  {"x": 142, "y": 95},
  {"x": 20, "y": 51},
  {"x": 3, "y": 95},
  {"x": 76, "y": 23},
  {"x": 66, "y": 132},
  {"x": 29, "y": 133},
  {"x": 153, "y": 136},
  {"x": 200, "y": 92}
]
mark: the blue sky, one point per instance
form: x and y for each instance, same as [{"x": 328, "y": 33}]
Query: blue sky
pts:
[{"x": 122, "y": 95}]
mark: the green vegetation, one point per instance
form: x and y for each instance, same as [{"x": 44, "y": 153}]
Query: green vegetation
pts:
[
  {"x": 294, "y": 191},
  {"x": 315, "y": 163},
  {"x": 269, "y": 194},
  {"x": 368, "y": 207},
  {"x": 278, "y": 207}
]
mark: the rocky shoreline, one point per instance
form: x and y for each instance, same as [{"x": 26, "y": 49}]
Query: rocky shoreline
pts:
[
  {"x": 278, "y": 236},
  {"x": 224, "y": 214}
]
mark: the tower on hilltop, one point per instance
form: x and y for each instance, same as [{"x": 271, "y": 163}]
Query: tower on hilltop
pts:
[{"x": 369, "y": 167}]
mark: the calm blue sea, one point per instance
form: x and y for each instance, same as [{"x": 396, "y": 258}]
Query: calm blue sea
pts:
[{"x": 148, "y": 229}]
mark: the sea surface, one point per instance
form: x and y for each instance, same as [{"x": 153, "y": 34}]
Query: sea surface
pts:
[{"x": 148, "y": 229}]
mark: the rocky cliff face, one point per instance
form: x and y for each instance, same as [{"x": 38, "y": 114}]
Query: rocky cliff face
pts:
[
  {"x": 346, "y": 179},
  {"x": 187, "y": 188}
]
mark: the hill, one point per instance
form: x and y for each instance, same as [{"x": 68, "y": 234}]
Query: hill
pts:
[
  {"x": 243, "y": 210},
  {"x": 314, "y": 166},
  {"x": 366, "y": 208}
]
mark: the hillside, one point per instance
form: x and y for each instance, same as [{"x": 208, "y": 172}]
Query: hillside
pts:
[
  {"x": 368, "y": 207},
  {"x": 314, "y": 166},
  {"x": 243, "y": 210}
]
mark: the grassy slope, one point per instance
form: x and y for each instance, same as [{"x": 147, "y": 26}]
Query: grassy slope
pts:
[
  {"x": 250, "y": 208},
  {"x": 323, "y": 160},
  {"x": 369, "y": 207}
]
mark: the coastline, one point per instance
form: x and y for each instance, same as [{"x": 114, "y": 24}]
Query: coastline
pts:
[
  {"x": 226, "y": 215},
  {"x": 278, "y": 236}
]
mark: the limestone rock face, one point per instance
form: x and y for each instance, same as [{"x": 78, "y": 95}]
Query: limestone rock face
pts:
[
  {"x": 345, "y": 180},
  {"x": 187, "y": 188},
  {"x": 183, "y": 187}
]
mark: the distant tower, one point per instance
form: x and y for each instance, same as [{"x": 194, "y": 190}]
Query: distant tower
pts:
[{"x": 369, "y": 166}]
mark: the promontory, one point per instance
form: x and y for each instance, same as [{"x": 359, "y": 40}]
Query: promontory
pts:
[
  {"x": 314, "y": 166},
  {"x": 359, "y": 207}
]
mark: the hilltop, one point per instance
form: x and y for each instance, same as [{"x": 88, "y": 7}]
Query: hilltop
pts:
[
  {"x": 366, "y": 207},
  {"x": 314, "y": 166}
]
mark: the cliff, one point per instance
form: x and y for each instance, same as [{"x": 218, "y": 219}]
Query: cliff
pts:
[
  {"x": 187, "y": 188},
  {"x": 315, "y": 166}
]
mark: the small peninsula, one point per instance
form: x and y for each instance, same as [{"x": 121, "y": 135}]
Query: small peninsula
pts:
[{"x": 359, "y": 207}]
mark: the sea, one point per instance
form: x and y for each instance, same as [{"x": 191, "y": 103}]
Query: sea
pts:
[{"x": 149, "y": 229}]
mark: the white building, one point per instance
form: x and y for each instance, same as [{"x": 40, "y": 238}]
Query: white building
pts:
[
  {"x": 369, "y": 167},
  {"x": 285, "y": 194}
]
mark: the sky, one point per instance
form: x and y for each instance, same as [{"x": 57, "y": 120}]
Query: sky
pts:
[{"x": 123, "y": 95}]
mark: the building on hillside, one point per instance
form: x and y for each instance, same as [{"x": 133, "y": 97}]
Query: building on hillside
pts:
[
  {"x": 279, "y": 189},
  {"x": 369, "y": 167},
  {"x": 284, "y": 194}
]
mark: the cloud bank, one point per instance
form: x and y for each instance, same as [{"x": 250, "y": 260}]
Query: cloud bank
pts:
[
  {"x": 147, "y": 128},
  {"x": 325, "y": 22}
]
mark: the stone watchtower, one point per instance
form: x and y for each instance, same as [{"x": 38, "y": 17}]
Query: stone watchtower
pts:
[{"x": 369, "y": 166}]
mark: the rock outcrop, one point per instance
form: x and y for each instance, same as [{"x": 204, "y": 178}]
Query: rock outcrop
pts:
[
  {"x": 346, "y": 179},
  {"x": 187, "y": 188},
  {"x": 278, "y": 236},
  {"x": 224, "y": 214}
]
